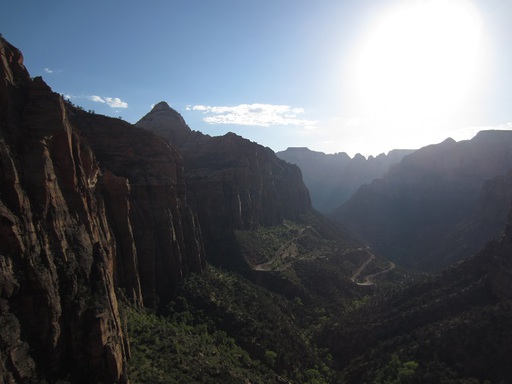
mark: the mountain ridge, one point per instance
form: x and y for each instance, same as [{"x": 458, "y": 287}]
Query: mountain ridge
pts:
[
  {"x": 407, "y": 213},
  {"x": 332, "y": 179}
]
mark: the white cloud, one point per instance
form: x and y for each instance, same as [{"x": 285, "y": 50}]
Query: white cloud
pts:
[
  {"x": 96, "y": 99},
  {"x": 116, "y": 102},
  {"x": 112, "y": 102},
  {"x": 262, "y": 115},
  {"x": 48, "y": 70}
]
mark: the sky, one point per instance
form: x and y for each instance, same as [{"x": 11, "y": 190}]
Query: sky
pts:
[{"x": 355, "y": 76}]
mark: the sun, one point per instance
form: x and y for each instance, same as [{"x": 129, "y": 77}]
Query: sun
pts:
[{"x": 419, "y": 59}]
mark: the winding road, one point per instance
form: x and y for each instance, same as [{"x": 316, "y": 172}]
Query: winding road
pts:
[
  {"x": 370, "y": 279},
  {"x": 362, "y": 267},
  {"x": 267, "y": 266}
]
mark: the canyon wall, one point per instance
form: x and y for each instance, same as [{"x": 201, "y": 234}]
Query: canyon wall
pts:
[
  {"x": 233, "y": 183},
  {"x": 90, "y": 208}
]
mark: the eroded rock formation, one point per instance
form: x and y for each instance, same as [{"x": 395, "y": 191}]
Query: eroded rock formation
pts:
[
  {"x": 233, "y": 183},
  {"x": 88, "y": 205},
  {"x": 165, "y": 230}
]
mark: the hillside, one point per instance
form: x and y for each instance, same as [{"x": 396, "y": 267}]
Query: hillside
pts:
[
  {"x": 450, "y": 327},
  {"x": 332, "y": 179},
  {"x": 434, "y": 207},
  {"x": 261, "y": 327}
]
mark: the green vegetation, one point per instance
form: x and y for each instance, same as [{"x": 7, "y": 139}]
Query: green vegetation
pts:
[
  {"x": 175, "y": 350},
  {"x": 262, "y": 245},
  {"x": 222, "y": 328},
  {"x": 312, "y": 237},
  {"x": 396, "y": 371},
  {"x": 267, "y": 325},
  {"x": 300, "y": 319}
]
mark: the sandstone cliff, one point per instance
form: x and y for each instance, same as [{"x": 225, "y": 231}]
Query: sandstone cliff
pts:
[
  {"x": 232, "y": 182},
  {"x": 88, "y": 204},
  {"x": 166, "y": 232},
  {"x": 58, "y": 306}
]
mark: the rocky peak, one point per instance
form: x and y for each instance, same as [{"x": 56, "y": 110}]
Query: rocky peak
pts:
[
  {"x": 162, "y": 106},
  {"x": 167, "y": 123},
  {"x": 233, "y": 183}
]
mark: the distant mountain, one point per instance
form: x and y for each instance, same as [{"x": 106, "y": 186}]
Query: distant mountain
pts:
[
  {"x": 438, "y": 204},
  {"x": 332, "y": 179},
  {"x": 233, "y": 183}
]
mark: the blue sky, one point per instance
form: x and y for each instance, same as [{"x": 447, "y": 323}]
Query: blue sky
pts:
[{"x": 280, "y": 72}]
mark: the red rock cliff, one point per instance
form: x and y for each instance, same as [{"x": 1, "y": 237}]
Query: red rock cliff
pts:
[
  {"x": 165, "y": 230},
  {"x": 88, "y": 204}
]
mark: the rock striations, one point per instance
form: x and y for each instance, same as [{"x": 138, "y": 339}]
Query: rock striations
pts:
[
  {"x": 88, "y": 205},
  {"x": 165, "y": 230},
  {"x": 232, "y": 182}
]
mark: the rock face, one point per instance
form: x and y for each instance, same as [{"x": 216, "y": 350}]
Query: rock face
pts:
[
  {"x": 232, "y": 182},
  {"x": 432, "y": 200},
  {"x": 487, "y": 222},
  {"x": 332, "y": 179},
  {"x": 88, "y": 204},
  {"x": 166, "y": 232}
]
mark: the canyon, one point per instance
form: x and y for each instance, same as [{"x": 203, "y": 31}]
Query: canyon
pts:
[{"x": 151, "y": 252}]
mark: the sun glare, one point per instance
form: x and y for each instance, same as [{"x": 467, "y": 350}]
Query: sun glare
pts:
[{"x": 419, "y": 59}]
